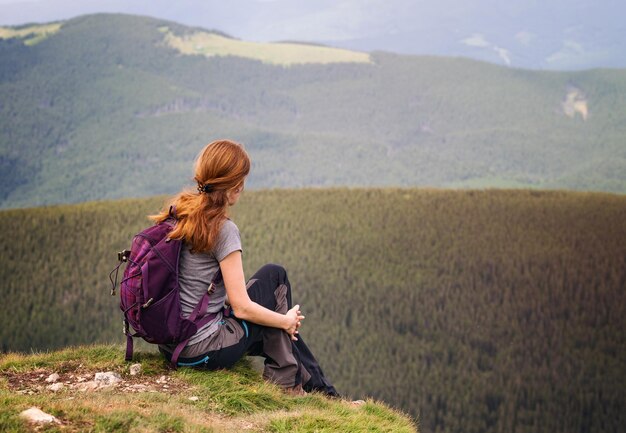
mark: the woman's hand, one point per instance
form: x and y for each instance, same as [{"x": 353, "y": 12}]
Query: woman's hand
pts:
[{"x": 294, "y": 320}]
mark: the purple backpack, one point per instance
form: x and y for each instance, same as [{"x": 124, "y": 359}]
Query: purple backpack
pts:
[{"x": 149, "y": 291}]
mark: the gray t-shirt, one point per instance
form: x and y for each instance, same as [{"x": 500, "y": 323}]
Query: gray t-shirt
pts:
[{"x": 195, "y": 272}]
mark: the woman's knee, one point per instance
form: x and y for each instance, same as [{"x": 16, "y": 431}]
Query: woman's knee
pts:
[{"x": 274, "y": 270}]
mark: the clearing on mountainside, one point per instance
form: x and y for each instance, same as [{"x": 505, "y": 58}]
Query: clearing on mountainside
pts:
[
  {"x": 32, "y": 34},
  {"x": 285, "y": 54}
]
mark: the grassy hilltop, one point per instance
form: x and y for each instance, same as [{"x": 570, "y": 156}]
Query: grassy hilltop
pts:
[
  {"x": 159, "y": 400},
  {"x": 479, "y": 311},
  {"x": 112, "y": 106}
]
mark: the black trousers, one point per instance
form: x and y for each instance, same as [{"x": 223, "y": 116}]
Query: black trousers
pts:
[{"x": 288, "y": 363}]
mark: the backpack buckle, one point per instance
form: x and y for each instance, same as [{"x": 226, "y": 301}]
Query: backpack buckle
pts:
[
  {"x": 211, "y": 288},
  {"x": 123, "y": 255}
]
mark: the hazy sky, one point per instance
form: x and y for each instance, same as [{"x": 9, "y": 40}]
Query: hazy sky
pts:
[{"x": 547, "y": 33}]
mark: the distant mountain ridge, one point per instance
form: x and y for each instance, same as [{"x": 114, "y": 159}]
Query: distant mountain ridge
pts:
[
  {"x": 554, "y": 35},
  {"x": 105, "y": 107}
]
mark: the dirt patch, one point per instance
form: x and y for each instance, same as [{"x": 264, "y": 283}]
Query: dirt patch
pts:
[
  {"x": 72, "y": 377},
  {"x": 575, "y": 103}
]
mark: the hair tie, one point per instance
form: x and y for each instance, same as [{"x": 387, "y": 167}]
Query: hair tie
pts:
[{"x": 206, "y": 188}]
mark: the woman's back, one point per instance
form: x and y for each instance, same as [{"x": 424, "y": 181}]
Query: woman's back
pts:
[{"x": 196, "y": 271}]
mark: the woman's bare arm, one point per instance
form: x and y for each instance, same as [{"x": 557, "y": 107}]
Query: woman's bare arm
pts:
[{"x": 246, "y": 309}]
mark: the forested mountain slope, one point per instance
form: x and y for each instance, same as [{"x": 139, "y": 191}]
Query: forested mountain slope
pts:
[
  {"x": 483, "y": 311},
  {"x": 111, "y": 106}
]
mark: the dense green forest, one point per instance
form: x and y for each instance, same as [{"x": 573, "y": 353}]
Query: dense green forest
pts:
[
  {"x": 479, "y": 311},
  {"x": 104, "y": 108}
]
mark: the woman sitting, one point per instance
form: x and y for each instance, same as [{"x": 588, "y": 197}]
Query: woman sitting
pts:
[{"x": 261, "y": 321}]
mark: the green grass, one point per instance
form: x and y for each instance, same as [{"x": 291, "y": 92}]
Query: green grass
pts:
[
  {"x": 227, "y": 400},
  {"x": 371, "y": 418}
]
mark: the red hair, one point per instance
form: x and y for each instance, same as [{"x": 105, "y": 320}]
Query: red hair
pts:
[{"x": 222, "y": 165}]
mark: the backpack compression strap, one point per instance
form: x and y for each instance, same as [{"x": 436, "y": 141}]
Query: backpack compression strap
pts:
[{"x": 129, "y": 348}]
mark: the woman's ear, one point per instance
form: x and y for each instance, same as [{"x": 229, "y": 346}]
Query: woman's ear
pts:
[{"x": 232, "y": 195}]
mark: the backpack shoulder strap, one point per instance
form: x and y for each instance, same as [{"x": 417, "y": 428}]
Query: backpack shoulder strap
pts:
[{"x": 199, "y": 316}]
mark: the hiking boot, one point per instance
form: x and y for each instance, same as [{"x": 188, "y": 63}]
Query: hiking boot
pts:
[{"x": 295, "y": 391}]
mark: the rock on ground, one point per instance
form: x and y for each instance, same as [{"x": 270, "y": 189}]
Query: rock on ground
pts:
[
  {"x": 56, "y": 386},
  {"x": 53, "y": 377},
  {"x": 108, "y": 378},
  {"x": 36, "y": 415}
]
